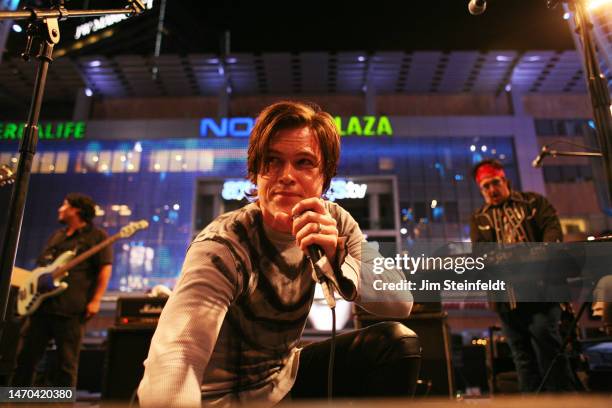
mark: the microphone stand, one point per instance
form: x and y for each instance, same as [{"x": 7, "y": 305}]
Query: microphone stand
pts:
[
  {"x": 554, "y": 153},
  {"x": 43, "y": 27},
  {"x": 597, "y": 86}
]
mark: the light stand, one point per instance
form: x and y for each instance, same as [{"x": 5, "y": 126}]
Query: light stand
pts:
[
  {"x": 597, "y": 87},
  {"x": 43, "y": 27}
]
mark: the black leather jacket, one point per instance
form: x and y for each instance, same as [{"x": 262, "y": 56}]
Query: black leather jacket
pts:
[{"x": 540, "y": 221}]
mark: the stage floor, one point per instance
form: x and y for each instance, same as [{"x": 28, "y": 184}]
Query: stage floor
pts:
[{"x": 544, "y": 401}]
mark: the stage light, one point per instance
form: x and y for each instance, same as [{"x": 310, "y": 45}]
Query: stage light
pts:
[
  {"x": 88, "y": 92},
  {"x": 593, "y": 4},
  {"x": 483, "y": 148},
  {"x": 566, "y": 16},
  {"x": 95, "y": 63},
  {"x": 361, "y": 58},
  {"x": 472, "y": 148},
  {"x": 508, "y": 87},
  {"x": 176, "y": 207},
  {"x": 17, "y": 28}
]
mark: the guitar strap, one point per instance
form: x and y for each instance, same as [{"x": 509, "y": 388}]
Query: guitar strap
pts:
[{"x": 58, "y": 246}]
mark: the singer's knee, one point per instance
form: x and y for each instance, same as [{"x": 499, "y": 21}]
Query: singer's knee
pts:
[{"x": 389, "y": 341}]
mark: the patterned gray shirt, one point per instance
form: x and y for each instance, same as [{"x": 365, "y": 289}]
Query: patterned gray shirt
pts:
[{"x": 232, "y": 325}]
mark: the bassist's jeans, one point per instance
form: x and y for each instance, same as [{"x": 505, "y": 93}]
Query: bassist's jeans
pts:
[{"x": 37, "y": 331}]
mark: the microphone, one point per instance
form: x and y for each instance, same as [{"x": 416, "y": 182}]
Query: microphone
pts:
[
  {"x": 477, "y": 7},
  {"x": 537, "y": 162},
  {"x": 319, "y": 263}
]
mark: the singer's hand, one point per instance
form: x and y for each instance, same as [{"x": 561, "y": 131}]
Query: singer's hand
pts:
[{"x": 307, "y": 215}]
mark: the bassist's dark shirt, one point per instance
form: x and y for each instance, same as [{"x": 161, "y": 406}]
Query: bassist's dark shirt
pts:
[{"x": 82, "y": 279}]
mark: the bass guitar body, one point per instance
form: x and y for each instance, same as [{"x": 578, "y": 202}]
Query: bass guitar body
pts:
[{"x": 41, "y": 284}]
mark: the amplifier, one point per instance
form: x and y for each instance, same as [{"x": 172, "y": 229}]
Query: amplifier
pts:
[{"x": 139, "y": 310}]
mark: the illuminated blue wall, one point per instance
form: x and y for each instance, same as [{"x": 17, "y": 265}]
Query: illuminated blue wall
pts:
[{"x": 427, "y": 168}]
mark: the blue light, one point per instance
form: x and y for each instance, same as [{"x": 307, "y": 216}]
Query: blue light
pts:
[
  {"x": 592, "y": 124},
  {"x": 155, "y": 218},
  {"x": 437, "y": 212},
  {"x": 17, "y": 28},
  {"x": 458, "y": 177}
]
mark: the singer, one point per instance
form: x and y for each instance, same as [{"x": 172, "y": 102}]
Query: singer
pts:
[{"x": 230, "y": 331}]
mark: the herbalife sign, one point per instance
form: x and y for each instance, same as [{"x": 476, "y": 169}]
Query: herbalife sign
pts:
[{"x": 46, "y": 131}]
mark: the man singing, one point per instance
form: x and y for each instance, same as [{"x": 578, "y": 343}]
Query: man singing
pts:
[
  {"x": 230, "y": 332},
  {"x": 510, "y": 217}
]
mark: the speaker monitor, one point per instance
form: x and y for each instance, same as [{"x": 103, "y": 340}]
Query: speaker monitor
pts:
[
  {"x": 434, "y": 335},
  {"x": 127, "y": 349}
]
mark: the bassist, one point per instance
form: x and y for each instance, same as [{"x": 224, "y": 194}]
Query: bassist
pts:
[{"x": 63, "y": 317}]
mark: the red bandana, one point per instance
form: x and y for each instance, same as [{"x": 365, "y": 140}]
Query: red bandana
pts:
[{"x": 487, "y": 171}]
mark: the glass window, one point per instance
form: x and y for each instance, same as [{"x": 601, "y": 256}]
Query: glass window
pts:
[
  {"x": 451, "y": 211},
  {"x": 104, "y": 161},
  {"x": 205, "y": 160},
  {"x": 585, "y": 173},
  {"x": 133, "y": 162},
  {"x": 61, "y": 162},
  {"x": 570, "y": 173},
  {"x": 159, "y": 161},
  {"x": 544, "y": 127},
  {"x": 421, "y": 213},
  {"x": 177, "y": 160},
  {"x": 552, "y": 174},
  {"x": 47, "y": 162},
  {"x": 385, "y": 205}
]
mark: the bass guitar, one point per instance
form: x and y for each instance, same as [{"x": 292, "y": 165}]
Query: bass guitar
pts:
[
  {"x": 46, "y": 281},
  {"x": 6, "y": 175}
]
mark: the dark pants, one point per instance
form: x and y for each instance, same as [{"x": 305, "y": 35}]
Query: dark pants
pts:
[
  {"x": 67, "y": 333},
  {"x": 533, "y": 335},
  {"x": 382, "y": 360}
]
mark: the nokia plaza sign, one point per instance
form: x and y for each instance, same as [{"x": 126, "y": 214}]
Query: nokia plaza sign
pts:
[{"x": 367, "y": 126}]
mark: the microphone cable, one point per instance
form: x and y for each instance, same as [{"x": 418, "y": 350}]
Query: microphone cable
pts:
[{"x": 332, "y": 352}]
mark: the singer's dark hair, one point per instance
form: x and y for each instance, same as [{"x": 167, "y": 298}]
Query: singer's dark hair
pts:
[
  {"x": 294, "y": 115},
  {"x": 84, "y": 203},
  {"x": 491, "y": 162}
]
